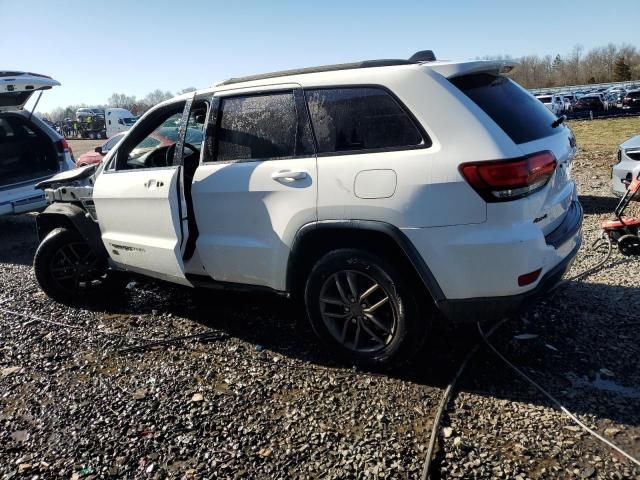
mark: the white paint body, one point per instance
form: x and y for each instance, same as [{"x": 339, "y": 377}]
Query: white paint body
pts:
[{"x": 248, "y": 220}]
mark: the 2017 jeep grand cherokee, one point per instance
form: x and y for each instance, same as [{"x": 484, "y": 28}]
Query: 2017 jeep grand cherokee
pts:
[{"x": 380, "y": 192}]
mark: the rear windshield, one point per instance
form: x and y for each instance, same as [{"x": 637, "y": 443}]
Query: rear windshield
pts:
[
  {"x": 522, "y": 116},
  {"x": 10, "y": 99}
]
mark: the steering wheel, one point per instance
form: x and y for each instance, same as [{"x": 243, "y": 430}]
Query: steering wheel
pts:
[{"x": 170, "y": 153}]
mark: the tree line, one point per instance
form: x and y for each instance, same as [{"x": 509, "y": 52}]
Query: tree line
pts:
[
  {"x": 137, "y": 106},
  {"x": 611, "y": 63}
]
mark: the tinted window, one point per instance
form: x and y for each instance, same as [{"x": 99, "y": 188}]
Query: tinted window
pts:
[
  {"x": 259, "y": 127},
  {"x": 633, "y": 94},
  {"x": 523, "y": 117},
  {"x": 347, "y": 119},
  {"x": 109, "y": 144}
]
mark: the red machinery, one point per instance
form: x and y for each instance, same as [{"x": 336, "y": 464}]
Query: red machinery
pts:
[{"x": 624, "y": 231}]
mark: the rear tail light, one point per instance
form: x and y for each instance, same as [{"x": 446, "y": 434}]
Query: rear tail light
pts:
[
  {"x": 63, "y": 147},
  {"x": 504, "y": 180}
]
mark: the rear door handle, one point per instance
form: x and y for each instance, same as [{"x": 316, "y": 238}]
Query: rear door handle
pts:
[{"x": 288, "y": 175}]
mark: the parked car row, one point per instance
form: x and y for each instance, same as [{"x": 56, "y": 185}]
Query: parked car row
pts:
[{"x": 597, "y": 100}]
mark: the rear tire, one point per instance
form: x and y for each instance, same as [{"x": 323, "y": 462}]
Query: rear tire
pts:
[
  {"x": 68, "y": 270},
  {"x": 364, "y": 309}
]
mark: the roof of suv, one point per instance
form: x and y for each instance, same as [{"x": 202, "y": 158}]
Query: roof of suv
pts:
[{"x": 420, "y": 59}]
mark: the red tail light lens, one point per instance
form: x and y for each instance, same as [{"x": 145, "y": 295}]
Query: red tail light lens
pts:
[
  {"x": 528, "y": 278},
  {"x": 504, "y": 180},
  {"x": 63, "y": 146}
]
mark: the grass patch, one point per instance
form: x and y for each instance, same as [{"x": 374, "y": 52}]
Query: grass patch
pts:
[{"x": 604, "y": 136}]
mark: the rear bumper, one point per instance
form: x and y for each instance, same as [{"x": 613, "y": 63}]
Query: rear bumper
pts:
[{"x": 475, "y": 309}]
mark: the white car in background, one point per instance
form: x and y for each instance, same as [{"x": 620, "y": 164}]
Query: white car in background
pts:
[
  {"x": 30, "y": 150},
  {"x": 627, "y": 166},
  {"x": 553, "y": 102}
]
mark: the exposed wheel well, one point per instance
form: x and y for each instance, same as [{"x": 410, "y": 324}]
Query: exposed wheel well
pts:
[
  {"x": 311, "y": 246},
  {"x": 47, "y": 223}
]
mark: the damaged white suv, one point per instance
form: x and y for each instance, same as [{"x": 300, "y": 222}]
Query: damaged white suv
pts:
[{"x": 380, "y": 192}]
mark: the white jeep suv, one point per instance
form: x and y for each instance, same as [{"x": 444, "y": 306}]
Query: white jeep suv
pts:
[{"x": 380, "y": 192}]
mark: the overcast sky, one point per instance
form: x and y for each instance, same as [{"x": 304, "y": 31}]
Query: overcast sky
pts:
[{"x": 95, "y": 48}]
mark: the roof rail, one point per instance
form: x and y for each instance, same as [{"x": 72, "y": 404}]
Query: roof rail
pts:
[{"x": 422, "y": 56}]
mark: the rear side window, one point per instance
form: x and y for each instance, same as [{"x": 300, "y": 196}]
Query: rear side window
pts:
[
  {"x": 522, "y": 117},
  {"x": 362, "y": 118},
  {"x": 259, "y": 127}
]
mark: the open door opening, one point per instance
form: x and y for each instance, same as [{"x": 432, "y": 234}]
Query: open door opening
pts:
[{"x": 140, "y": 202}]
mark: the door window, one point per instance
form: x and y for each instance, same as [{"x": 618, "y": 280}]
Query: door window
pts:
[
  {"x": 260, "y": 127},
  {"x": 155, "y": 149},
  {"x": 109, "y": 144},
  {"x": 363, "y": 118}
]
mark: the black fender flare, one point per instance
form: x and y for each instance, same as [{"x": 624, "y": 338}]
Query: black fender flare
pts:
[
  {"x": 394, "y": 233},
  {"x": 68, "y": 214}
]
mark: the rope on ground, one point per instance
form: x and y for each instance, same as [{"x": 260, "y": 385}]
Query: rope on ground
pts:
[
  {"x": 554, "y": 400},
  {"x": 444, "y": 401},
  {"x": 596, "y": 267}
]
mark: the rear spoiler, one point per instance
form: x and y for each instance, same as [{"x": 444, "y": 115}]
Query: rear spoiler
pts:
[{"x": 458, "y": 69}]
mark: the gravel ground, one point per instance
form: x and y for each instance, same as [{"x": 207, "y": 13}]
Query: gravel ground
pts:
[{"x": 258, "y": 399}]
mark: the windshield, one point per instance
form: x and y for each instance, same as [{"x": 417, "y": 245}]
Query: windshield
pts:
[{"x": 129, "y": 121}]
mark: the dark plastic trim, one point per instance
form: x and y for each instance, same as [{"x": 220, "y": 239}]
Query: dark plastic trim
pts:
[
  {"x": 205, "y": 281},
  {"x": 394, "y": 233},
  {"x": 54, "y": 216},
  {"x": 568, "y": 228},
  {"x": 323, "y": 68}
]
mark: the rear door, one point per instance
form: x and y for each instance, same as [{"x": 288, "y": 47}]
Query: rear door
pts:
[
  {"x": 139, "y": 200},
  {"x": 17, "y": 87},
  {"x": 256, "y": 186}
]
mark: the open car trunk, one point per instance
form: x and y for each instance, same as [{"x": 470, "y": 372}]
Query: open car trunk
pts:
[{"x": 26, "y": 153}]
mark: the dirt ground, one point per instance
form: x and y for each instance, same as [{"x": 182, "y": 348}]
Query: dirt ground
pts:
[
  {"x": 257, "y": 398},
  {"x": 83, "y": 146}
]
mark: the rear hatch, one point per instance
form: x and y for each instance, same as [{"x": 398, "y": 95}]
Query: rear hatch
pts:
[
  {"x": 533, "y": 128},
  {"x": 17, "y": 87}
]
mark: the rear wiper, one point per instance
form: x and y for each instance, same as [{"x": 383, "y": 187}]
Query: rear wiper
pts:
[{"x": 558, "y": 121}]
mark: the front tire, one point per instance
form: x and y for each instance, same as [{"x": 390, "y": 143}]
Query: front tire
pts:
[
  {"x": 66, "y": 267},
  {"x": 364, "y": 309}
]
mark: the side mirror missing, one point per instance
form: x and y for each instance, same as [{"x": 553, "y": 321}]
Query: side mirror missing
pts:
[{"x": 99, "y": 150}]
